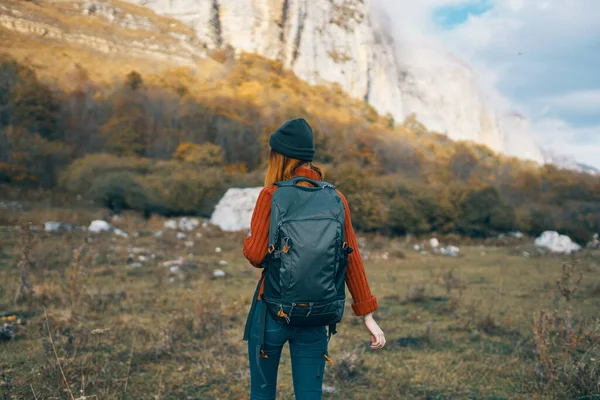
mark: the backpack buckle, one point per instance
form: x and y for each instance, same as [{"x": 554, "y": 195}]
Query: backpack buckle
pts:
[
  {"x": 271, "y": 249},
  {"x": 346, "y": 247}
]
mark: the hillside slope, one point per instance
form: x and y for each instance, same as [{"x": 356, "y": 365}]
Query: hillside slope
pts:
[
  {"x": 341, "y": 41},
  {"x": 107, "y": 38}
]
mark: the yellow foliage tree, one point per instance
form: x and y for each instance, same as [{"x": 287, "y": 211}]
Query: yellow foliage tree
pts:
[{"x": 206, "y": 154}]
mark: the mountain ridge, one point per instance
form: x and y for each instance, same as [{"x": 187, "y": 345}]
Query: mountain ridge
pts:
[
  {"x": 343, "y": 41},
  {"x": 334, "y": 42}
]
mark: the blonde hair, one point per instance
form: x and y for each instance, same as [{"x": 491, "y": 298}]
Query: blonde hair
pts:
[{"x": 282, "y": 168}]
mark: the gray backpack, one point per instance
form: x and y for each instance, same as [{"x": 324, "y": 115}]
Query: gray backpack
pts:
[{"x": 305, "y": 267}]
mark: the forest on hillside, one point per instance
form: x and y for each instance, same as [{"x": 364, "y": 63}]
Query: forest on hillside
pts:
[{"x": 173, "y": 143}]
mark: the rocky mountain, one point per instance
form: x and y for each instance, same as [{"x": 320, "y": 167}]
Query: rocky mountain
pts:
[
  {"x": 342, "y": 41},
  {"x": 323, "y": 41}
]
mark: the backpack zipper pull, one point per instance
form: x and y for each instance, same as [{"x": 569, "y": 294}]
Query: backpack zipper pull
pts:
[
  {"x": 309, "y": 309},
  {"x": 291, "y": 310},
  {"x": 282, "y": 314}
]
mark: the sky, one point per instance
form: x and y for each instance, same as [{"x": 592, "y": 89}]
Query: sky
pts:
[{"x": 539, "y": 57}]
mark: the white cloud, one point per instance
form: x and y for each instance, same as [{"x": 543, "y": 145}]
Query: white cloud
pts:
[
  {"x": 562, "y": 138},
  {"x": 585, "y": 101},
  {"x": 539, "y": 57}
]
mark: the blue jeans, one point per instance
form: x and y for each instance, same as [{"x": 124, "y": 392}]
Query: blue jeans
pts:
[{"x": 308, "y": 347}]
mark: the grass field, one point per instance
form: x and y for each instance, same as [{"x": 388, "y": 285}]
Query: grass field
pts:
[{"x": 122, "y": 324}]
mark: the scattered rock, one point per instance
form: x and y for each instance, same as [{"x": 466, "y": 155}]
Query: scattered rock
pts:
[
  {"x": 98, "y": 226},
  {"x": 198, "y": 235},
  {"x": 174, "y": 268},
  {"x": 170, "y": 263},
  {"x": 417, "y": 247},
  {"x": 135, "y": 265},
  {"x": 434, "y": 243},
  {"x": 219, "y": 273},
  {"x": 53, "y": 226},
  {"x": 329, "y": 389},
  {"x": 218, "y": 250},
  {"x": 11, "y": 204},
  {"x": 451, "y": 251},
  {"x": 223, "y": 262},
  {"x": 189, "y": 243},
  {"x": 556, "y": 243},
  {"x": 234, "y": 210},
  {"x": 143, "y": 258},
  {"x": 188, "y": 224},
  {"x": 170, "y": 224},
  {"x": 517, "y": 235},
  {"x": 120, "y": 233},
  {"x": 181, "y": 235},
  {"x": 526, "y": 254},
  {"x": 138, "y": 250},
  {"x": 158, "y": 234}
]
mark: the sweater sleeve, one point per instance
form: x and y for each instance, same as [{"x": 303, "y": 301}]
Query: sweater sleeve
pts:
[
  {"x": 356, "y": 278},
  {"x": 256, "y": 244}
]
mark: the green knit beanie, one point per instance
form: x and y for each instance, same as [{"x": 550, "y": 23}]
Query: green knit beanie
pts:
[{"x": 294, "y": 139}]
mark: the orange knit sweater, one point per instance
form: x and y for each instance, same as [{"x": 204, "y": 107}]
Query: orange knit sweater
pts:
[{"x": 255, "y": 247}]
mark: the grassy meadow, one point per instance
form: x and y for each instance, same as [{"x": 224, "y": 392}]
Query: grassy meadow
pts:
[{"x": 113, "y": 319}]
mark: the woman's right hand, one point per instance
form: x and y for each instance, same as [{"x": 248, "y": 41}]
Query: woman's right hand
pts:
[{"x": 377, "y": 336}]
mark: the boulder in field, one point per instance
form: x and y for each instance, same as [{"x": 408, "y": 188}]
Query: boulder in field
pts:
[
  {"x": 98, "y": 226},
  {"x": 234, "y": 210},
  {"x": 556, "y": 243}
]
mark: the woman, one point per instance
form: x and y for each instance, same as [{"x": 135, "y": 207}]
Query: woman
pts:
[{"x": 292, "y": 151}]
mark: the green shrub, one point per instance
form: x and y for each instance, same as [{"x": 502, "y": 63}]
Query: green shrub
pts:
[
  {"x": 404, "y": 217},
  {"x": 118, "y": 191},
  {"x": 183, "y": 189},
  {"x": 484, "y": 213},
  {"x": 78, "y": 177}
]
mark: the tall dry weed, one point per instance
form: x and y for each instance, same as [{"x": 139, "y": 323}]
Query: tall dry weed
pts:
[
  {"x": 567, "y": 345},
  {"x": 24, "y": 291}
]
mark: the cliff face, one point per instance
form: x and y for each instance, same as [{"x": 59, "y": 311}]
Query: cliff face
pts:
[
  {"x": 339, "y": 41},
  {"x": 322, "y": 41}
]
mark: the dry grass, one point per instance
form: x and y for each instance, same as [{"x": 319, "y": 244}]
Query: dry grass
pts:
[{"x": 121, "y": 331}]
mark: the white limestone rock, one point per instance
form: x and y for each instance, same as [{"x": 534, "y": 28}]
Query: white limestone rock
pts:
[
  {"x": 170, "y": 224},
  {"x": 120, "y": 233},
  {"x": 556, "y": 243},
  {"x": 52, "y": 226},
  {"x": 219, "y": 273},
  {"x": 98, "y": 226},
  {"x": 188, "y": 224},
  {"x": 234, "y": 210}
]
